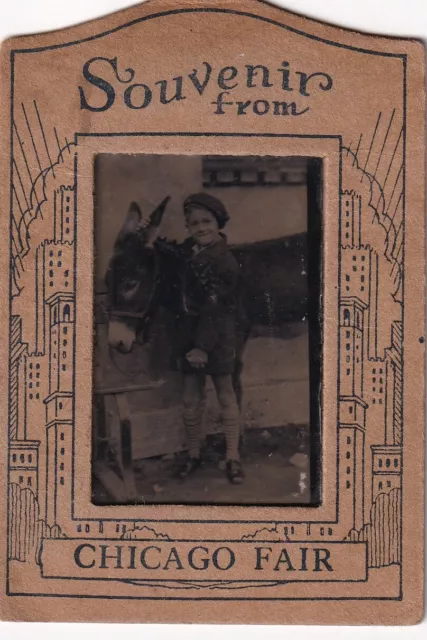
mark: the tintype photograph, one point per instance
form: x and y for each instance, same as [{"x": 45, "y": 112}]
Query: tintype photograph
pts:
[{"x": 207, "y": 330}]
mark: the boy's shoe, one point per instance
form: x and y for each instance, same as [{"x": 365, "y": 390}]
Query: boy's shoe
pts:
[
  {"x": 188, "y": 466},
  {"x": 234, "y": 471}
]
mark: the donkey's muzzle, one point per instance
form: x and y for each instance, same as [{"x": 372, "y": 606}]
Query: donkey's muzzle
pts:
[{"x": 120, "y": 336}]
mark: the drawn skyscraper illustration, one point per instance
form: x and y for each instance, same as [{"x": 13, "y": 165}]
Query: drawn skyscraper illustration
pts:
[{"x": 369, "y": 427}]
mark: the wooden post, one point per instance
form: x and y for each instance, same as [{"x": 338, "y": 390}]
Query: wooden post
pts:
[{"x": 126, "y": 446}]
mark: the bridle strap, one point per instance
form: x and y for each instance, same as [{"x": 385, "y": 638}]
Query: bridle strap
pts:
[
  {"x": 145, "y": 315},
  {"x": 127, "y": 314}
]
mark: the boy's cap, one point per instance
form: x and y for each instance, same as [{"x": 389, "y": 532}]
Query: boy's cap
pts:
[{"x": 212, "y": 204}]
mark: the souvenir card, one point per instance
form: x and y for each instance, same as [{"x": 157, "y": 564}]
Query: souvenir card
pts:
[{"x": 213, "y": 320}]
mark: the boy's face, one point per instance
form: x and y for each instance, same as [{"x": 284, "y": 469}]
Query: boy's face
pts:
[{"x": 202, "y": 226}]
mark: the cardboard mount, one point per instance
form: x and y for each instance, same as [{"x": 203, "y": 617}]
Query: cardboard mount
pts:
[{"x": 198, "y": 77}]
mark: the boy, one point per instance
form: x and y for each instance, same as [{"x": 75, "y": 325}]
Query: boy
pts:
[
  {"x": 208, "y": 279},
  {"x": 206, "y": 327}
]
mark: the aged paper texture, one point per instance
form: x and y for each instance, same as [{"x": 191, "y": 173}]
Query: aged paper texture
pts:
[{"x": 307, "y": 143}]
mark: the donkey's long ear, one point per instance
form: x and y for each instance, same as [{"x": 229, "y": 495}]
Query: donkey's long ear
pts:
[
  {"x": 131, "y": 223},
  {"x": 157, "y": 214}
]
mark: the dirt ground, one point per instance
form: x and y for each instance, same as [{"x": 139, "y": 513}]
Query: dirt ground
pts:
[
  {"x": 276, "y": 463},
  {"x": 276, "y": 449}
]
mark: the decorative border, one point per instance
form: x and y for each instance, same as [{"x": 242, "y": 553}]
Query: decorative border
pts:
[{"x": 355, "y": 317}]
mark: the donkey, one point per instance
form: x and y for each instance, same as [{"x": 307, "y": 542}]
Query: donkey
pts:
[{"x": 142, "y": 278}]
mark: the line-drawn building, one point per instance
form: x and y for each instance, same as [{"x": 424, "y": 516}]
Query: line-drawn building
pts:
[
  {"x": 59, "y": 407},
  {"x": 369, "y": 428},
  {"x": 41, "y": 379},
  {"x": 23, "y": 464}
]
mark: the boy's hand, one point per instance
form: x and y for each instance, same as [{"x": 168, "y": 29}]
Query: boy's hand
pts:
[{"x": 197, "y": 358}]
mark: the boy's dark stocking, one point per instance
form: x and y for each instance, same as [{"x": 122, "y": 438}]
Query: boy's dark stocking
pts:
[
  {"x": 194, "y": 402},
  {"x": 230, "y": 414}
]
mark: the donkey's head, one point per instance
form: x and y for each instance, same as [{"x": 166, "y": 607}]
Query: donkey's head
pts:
[{"x": 132, "y": 277}]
